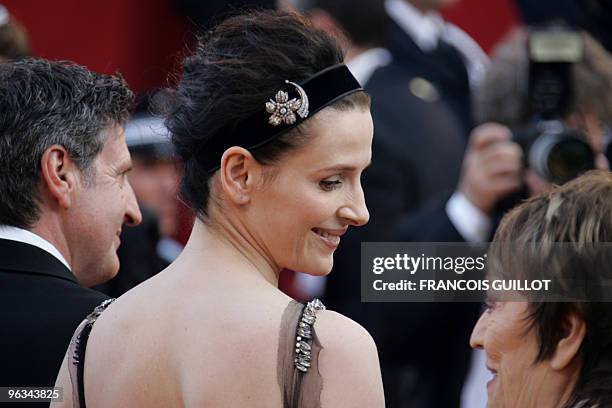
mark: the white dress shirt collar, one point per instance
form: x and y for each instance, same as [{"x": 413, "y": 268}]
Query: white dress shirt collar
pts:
[
  {"x": 365, "y": 64},
  {"x": 427, "y": 29},
  {"x": 27, "y": 237},
  {"x": 424, "y": 29}
]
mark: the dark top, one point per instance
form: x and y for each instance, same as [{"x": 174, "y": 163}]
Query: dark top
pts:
[{"x": 41, "y": 304}]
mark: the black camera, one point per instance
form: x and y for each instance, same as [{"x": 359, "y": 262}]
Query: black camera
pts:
[{"x": 554, "y": 151}]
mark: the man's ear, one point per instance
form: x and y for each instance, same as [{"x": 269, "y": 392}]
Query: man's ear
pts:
[
  {"x": 239, "y": 170},
  {"x": 574, "y": 331},
  {"x": 59, "y": 174}
]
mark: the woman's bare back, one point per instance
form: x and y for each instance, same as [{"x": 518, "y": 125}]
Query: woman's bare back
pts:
[
  {"x": 191, "y": 338},
  {"x": 186, "y": 346}
]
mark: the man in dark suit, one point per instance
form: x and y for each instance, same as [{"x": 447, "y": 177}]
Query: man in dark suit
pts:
[
  {"x": 440, "y": 52},
  {"x": 64, "y": 196}
]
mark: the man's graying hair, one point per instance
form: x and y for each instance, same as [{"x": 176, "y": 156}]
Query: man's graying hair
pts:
[{"x": 44, "y": 103}]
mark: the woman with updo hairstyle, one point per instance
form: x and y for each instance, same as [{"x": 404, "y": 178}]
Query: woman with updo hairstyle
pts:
[
  {"x": 274, "y": 132},
  {"x": 553, "y": 349}
]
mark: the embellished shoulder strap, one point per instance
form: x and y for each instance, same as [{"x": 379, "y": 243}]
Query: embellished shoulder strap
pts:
[
  {"x": 298, "y": 372},
  {"x": 76, "y": 354},
  {"x": 304, "y": 335}
]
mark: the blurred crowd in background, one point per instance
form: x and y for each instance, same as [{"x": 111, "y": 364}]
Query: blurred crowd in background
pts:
[{"x": 477, "y": 104}]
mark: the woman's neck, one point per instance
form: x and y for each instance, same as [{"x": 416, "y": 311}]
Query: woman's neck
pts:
[
  {"x": 225, "y": 245},
  {"x": 556, "y": 388}
]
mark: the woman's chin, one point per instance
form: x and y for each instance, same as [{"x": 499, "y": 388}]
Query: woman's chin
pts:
[{"x": 321, "y": 268}]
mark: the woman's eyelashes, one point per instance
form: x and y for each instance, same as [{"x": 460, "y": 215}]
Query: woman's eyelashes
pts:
[{"x": 330, "y": 185}]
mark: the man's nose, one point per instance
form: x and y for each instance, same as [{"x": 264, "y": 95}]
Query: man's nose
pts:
[{"x": 132, "y": 216}]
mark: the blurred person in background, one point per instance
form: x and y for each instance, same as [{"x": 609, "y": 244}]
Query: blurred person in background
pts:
[
  {"x": 548, "y": 354},
  {"x": 64, "y": 196},
  {"x": 14, "y": 43},
  {"x": 155, "y": 177},
  {"x": 437, "y": 51},
  {"x": 496, "y": 169},
  {"x": 415, "y": 131},
  {"x": 152, "y": 245},
  {"x": 593, "y": 16},
  {"x": 521, "y": 102}
]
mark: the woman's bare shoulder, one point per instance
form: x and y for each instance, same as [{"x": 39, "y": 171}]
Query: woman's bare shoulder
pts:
[
  {"x": 348, "y": 363},
  {"x": 336, "y": 329}
]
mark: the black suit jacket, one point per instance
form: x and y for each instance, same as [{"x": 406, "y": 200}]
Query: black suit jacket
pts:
[
  {"x": 445, "y": 66},
  {"x": 41, "y": 304}
]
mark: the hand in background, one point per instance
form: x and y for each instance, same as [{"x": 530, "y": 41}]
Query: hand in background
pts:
[{"x": 492, "y": 167}]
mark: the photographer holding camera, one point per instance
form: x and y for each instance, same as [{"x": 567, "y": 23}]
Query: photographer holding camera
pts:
[
  {"x": 545, "y": 106},
  {"x": 553, "y": 88}
]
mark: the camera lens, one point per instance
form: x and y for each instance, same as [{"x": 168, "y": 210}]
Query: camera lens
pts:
[{"x": 560, "y": 157}]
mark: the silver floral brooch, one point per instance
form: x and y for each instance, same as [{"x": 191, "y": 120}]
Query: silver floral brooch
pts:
[
  {"x": 303, "y": 340},
  {"x": 283, "y": 109}
]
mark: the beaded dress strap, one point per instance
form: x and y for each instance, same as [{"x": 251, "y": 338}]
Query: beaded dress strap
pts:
[
  {"x": 78, "y": 346},
  {"x": 303, "y": 339},
  {"x": 298, "y": 373}
]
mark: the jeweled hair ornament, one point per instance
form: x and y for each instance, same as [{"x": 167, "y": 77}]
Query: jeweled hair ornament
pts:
[{"x": 285, "y": 110}]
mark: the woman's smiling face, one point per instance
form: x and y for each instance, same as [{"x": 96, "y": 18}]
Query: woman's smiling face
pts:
[
  {"x": 510, "y": 341},
  {"x": 502, "y": 332},
  {"x": 315, "y": 193}
]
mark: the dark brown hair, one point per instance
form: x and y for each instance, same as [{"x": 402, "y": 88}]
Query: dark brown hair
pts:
[{"x": 236, "y": 68}]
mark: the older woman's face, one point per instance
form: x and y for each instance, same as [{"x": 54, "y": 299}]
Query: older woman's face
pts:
[
  {"x": 511, "y": 348},
  {"x": 300, "y": 215}
]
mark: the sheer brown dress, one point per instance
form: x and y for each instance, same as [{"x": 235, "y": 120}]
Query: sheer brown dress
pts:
[{"x": 299, "y": 379}]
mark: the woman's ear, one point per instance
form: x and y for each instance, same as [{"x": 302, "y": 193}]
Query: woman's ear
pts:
[
  {"x": 238, "y": 170},
  {"x": 59, "y": 174},
  {"x": 567, "y": 348}
]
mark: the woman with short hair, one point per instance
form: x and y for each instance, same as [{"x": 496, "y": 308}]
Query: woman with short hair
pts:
[{"x": 545, "y": 353}]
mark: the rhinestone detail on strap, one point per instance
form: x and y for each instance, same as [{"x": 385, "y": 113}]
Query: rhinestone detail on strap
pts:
[
  {"x": 91, "y": 319},
  {"x": 303, "y": 339}
]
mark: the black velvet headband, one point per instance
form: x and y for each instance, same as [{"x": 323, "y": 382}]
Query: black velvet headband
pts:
[{"x": 285, "y": 111}]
